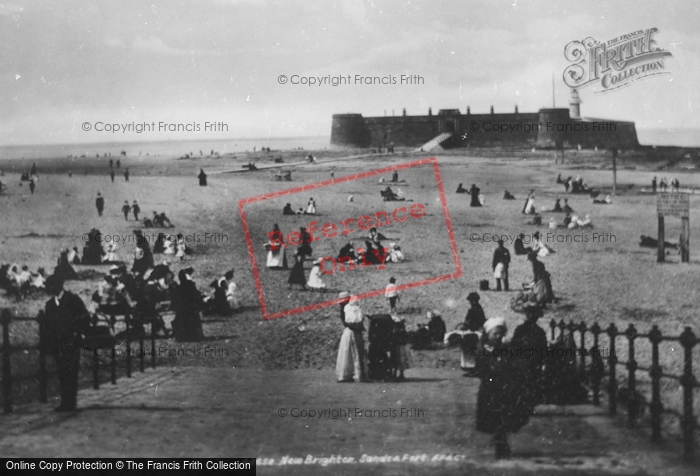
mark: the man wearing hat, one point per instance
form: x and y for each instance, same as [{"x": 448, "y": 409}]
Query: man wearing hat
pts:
[
  {"x": 501, "y": 260},
  {"x": 65, "y": 320},
  {"x": 475, "y": 317}
]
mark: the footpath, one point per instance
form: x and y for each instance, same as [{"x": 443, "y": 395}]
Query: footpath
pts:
[{"x": 304, "y": 422}]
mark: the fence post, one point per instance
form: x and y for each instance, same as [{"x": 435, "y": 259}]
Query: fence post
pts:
[
  {"x": 655, "y": 373},
  {"x": 688, "y": 341},
  {"x": 6, "y": 362},
  {"x": 142, "y": 331},
  {"x": 153, "y": 343},
  {"x": 582, "y": 328},
  {"x": 127, "y": 320},
  {"x": 43, "y": 374},
  {"x": 612, "y": 379},
  {"x": 595, "y": 329},
  {"x": 552, "y": 327},
  {"x": 631, "y": 333},
  {"x": 95, "y": 361}
]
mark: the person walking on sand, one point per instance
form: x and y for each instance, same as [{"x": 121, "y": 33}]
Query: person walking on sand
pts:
[
  {"x": 126, "y": 209},
  {"x": 136, "y": 210},
  {"x": 100, "y": 203},
  {"x": 112, "y": 174},
  {"x": 126, "y": 174},
  {"x": 391, "y": 294},
  {"x": 202, "y": 178},
  {"x": 32, "y": 185}
]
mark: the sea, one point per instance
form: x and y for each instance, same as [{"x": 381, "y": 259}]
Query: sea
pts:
[
  {"x": 163, "y": 148},
  {"x": 659, "y": 137}
]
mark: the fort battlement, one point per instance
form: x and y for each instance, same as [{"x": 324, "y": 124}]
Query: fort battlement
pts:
[{"x": 546, "y": 128}]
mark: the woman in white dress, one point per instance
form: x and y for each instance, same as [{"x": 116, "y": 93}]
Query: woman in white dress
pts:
[
  {"x": 170, "y": 242},
  {"x": 311, "y": 207},
  {"x": 276, "y": 255},
  {"x": 351, "y": 363},
  {"x": 315, "y": 281},
  {"x": 180, "y": 246},
  {"x": 395, "y": 254}
]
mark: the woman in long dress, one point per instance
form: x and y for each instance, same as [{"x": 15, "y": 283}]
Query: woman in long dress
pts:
[
  {"x": 400, "y": 358},
  {"x": 315, "y": 281},
  {"x": 276, "y": 255},
  {"x": 501, "y": 404},
  {"x": 311, "y": 207},
  {"x": 351, "y": 363},
  {"x": 180, "y": 246},
  {"x": 188, "y": 303},
  {"x": 297, "y": 275}
]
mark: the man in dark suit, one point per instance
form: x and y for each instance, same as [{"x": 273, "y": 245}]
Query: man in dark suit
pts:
[
  {"x": 66, "y": 319},
  {"x": 501, "y": 256},
  {"x": 100, "y": 203}
]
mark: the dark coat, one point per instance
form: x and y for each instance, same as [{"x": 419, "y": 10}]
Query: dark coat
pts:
[
  {"x": 297, "y": 275},
  {"x": 475, "y": 318},
  {"x": 501, "y": 255},
  {"x": 437, "y": 329},
  {"x": 501, "y": 403},
  {"x": 474, "y": 191},
  {"x": 188, "y": 302},
  {"x": 65, "y": 323}
]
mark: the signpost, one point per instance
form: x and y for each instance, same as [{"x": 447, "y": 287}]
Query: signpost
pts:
[{"x": 676, "y": 205}]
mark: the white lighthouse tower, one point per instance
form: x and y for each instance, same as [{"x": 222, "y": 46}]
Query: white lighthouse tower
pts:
[{"x": 574, "y": 105}]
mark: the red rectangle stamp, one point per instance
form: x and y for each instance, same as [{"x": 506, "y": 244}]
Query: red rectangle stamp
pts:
[{"x": 350, "y": 209}]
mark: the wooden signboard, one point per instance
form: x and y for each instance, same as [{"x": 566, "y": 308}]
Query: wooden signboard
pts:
[{"x": 674, "y": 205}]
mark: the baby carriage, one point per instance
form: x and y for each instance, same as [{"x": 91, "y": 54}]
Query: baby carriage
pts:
[{"x": 381, "y": 328}]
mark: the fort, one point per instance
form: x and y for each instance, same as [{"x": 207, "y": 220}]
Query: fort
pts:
[{"x": 545, "y": 129}]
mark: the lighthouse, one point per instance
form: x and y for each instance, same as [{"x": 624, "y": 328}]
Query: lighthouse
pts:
[{"x": 574, "y": 108}]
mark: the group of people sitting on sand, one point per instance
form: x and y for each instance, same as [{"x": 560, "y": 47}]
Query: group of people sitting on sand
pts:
[
  {"x": 477, "y": 198},
  {"x": 172, "y": 245},
  {"x": 389, "y": 196},
  {"x": 147, "y": 290},
  {"x": 225, "y": 300},
  {"x": 159, "y": 220},
  {"x": 574, "y": 185},
  {"x": 309, "y": 210},
  {"x": 373, "y": 253},
  {"x": 20, "y": 282},
  {"x": 394, "y": 178}
]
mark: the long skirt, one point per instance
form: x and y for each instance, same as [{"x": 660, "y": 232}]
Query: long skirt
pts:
[
  {"x": 502, "y": 406},
  {"x": 401, "y": 358},
  {"x": 315, "y": 281},
  {"x": 187, "y": 327},
  {"x": 351, "y": 362},
  {"x": 470, "y": 341},
  {"x": 297, "y": 275},
  {"x": 277, "y": 259},
  {"x": 530, "y": 207}
]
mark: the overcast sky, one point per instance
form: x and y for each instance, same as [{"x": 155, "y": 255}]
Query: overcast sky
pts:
[{"x": 66, "y": 62}]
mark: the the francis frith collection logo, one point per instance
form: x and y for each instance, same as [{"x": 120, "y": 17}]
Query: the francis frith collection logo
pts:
[{"x": 614, "y": 63}]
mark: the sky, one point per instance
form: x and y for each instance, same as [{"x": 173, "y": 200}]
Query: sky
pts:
[{"x": 64, "y": 63}]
